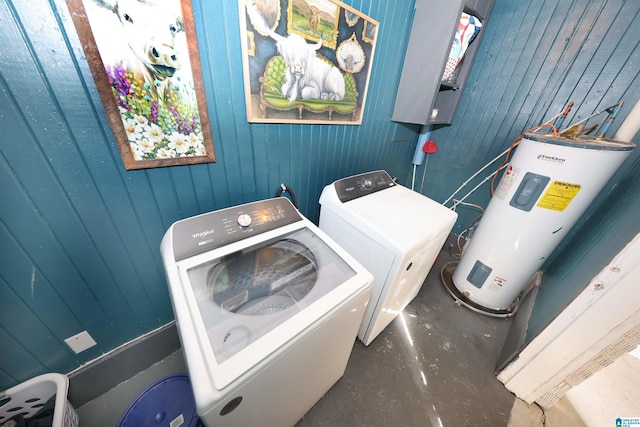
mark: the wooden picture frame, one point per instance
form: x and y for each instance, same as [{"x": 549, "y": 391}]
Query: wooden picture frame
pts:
[
  {"x": 337, "y": 40},
  {"x": 156, "y": 105}
]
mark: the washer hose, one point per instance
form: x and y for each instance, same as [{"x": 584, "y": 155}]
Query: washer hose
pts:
[{"x": 284, "y": 188}]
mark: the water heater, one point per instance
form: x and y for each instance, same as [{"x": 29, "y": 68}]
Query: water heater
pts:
[{"x": 546, "y": 188}]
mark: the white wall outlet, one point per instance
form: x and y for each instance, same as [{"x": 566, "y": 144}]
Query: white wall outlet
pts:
[{"x": 80, "y": 342}]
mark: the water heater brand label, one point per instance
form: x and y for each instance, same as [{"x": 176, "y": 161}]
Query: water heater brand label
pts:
[
  {"x": 553, "y": 159},
  {"x": 559, "y": 195}
]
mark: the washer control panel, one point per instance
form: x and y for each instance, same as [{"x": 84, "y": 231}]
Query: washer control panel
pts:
[
  {"x": 215, "y": 229},
  {"x": 357, "y": 186}
]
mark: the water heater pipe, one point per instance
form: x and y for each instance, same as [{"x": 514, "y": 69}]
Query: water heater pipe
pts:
[
  {"x": 476, "y": 174},
  {"x": 631, "y": 125},
  {"x": 418, "y": 155},
  {"x": 460, "y": 201},
  {"x": 425, "y": 135}
]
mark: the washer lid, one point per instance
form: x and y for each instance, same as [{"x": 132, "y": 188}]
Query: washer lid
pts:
[{"x": 245, "y": 304}]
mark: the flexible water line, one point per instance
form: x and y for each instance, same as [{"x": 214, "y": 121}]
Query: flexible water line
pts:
[
  {"x": 283, "y": 188},
  {"x": 487, "y": 178},
  {"x": 424, "y": 173},
  {"x": 413, "y": 179},
  {"x": 477, "y": 173}
]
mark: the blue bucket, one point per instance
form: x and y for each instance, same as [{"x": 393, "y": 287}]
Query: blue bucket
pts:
[{"x": 167, "y": 402}]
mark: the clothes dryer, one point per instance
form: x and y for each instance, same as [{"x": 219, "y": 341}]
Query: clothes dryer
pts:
[
  {"x": 393, "y": 231},
  {"x": 267, "y": 307}
]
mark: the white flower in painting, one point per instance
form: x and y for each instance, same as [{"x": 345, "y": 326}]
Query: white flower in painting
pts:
[
  {"x": 133, "y": 129},
  {"x": 199, "y": 150},
  {"x": 164, "y": 153},
  {"x": 138, "y": 154},
  {"x": 154, "y": 133},
  {"x": 179, "y": 142},
  {"x": 141, "y": 120},
  {"x": 145, "y": 145},
  {"x": 197, "y": 142},
  {"x": 195, "y": 138}
]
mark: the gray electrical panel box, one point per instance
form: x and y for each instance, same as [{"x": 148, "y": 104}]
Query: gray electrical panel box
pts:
[{"x": 422, "y": 97}]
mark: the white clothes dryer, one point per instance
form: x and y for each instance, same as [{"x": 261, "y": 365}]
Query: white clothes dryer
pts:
[
  {"x": 267, "y": 307},
  {"x": 393, "y": 231}
]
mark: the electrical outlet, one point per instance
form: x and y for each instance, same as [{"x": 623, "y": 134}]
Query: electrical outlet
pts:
[{"x": 80, "y": 342}]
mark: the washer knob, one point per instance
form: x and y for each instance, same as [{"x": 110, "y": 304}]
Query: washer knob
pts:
[{"x": 244, "y": 220}]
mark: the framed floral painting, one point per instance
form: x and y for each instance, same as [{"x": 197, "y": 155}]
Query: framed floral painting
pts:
[
  {"x": 144, "y": 58},
  {"x": 306, "y": 61}
]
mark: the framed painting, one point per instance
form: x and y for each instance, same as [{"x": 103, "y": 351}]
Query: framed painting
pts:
[
  {"x": 144, "y": 58},
  {"x": 306, "y": 61}
]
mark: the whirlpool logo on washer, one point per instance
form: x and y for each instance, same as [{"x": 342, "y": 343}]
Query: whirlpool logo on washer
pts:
[
  {"x": 202, "y": 234},
  {"x": 553, "y": 159}
]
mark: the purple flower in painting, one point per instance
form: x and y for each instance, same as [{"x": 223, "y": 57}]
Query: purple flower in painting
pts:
[
  {"x": 183, "y": 127},
  {"x": 194, "y": 123},
  {"x": 186, "y": 125},
  {"x": 153, "y": 113},
  {"x": 122, "y": 103},
  {"x": 118, "y": 79}
]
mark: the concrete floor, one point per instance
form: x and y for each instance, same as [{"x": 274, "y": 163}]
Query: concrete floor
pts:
[{"x": 432, "y": 366}]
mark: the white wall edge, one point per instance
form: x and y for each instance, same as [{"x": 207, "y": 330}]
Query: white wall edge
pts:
[{"x": 607, "y": 308}]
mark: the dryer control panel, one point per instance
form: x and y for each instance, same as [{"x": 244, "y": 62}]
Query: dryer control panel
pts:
[
  {"x": 357, "y": 186},
  {"x": 215, "y": 229}
]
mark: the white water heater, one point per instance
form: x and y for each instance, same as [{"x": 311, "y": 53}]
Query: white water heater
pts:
[{"x": 548, "y": 185}]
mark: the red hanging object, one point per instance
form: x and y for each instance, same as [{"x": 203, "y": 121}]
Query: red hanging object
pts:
[{"x": 430, "y": 147}]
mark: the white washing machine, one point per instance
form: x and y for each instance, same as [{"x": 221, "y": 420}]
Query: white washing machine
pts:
[
  {"x": 267, "y": 308},
  {"x": 393, "y": 231}
]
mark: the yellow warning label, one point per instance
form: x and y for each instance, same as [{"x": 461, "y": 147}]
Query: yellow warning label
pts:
[{"x": 558, "y": 195}]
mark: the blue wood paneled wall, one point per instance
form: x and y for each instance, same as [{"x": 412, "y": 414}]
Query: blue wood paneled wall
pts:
[
  {"x": 80, "y": 235},
  {"x": 535, "y": 57}
]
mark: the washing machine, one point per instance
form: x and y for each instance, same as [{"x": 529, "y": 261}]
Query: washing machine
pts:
[
  {"x": 267, "y": 308},
  {"x": 393, "y": 231}
]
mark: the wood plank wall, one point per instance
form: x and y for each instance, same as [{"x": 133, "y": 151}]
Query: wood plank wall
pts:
[
  {"x": 80, "y": 235},
  {"x": 535, "y": 57}
]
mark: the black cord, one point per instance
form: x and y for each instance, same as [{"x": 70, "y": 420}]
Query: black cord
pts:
[{"x": 283, "y": 188}]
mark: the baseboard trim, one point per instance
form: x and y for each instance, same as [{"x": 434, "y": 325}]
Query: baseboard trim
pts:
[{"x": 106, "y": 372}]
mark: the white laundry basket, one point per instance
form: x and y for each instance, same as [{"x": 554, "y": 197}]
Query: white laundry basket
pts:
[{"x": 28, "y": 397}]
